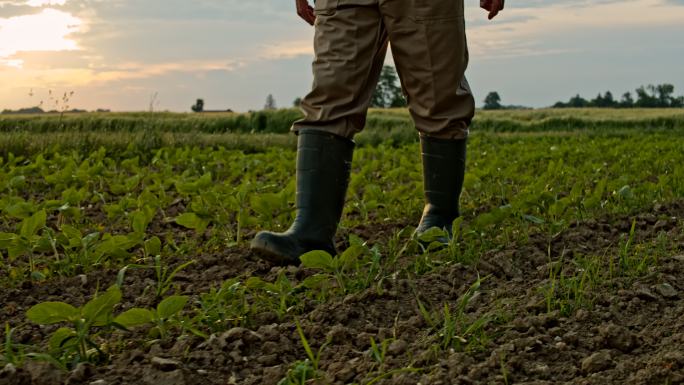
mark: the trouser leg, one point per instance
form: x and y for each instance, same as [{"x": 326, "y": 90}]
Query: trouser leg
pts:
[
  {"x": 350, "y": 45},
  {"x": 430, "y": 50}
]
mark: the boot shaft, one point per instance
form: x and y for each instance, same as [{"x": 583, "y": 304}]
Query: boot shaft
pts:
[
  {"x": 443, "y": 173},
  {"x": 323, "y": 168}
]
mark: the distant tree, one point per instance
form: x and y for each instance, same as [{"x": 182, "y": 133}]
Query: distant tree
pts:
[
  {"x": 603, "y": 101},
  {"x": 627, "y": 101},
  {"x": 270, "y": 103},
  {"x": 664, "y": 94},
  {"x": 492, "y": 101},
  {"x": 644, "y": 98},
  {"x": 388, "y": 92},
  {"x": 297, "y": 102},
  {"x": 658, "y": 96},
  {"x": 597, "y": 101},
  {"x": 198, "y": 106},
  {"x": 609, "y": 100},
  {"x": 577, "y": 102},
  {"x": 678, "y": 102}
]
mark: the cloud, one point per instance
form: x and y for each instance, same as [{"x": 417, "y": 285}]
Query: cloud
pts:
[
  {"x": 48, "y": 30},
  {"x": 545, "y": 30},
  {"x": 287, "y": 49}
]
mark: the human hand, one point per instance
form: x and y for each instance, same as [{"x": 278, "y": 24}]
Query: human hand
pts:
[
  {"x": 493, "y": 6},
  {"x": 305, "y": 11}
]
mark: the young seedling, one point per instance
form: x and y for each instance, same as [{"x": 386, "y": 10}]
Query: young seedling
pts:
[
  {"x": 378, "y": 353},
  {"x": 11, "y": 353},
  {"x": 74, "y": 344},
  {"x": 224, "y": 308},
  {"x": 161, "y": 317},
  {"x": 163, "y": 274},
  {"x": 336, "y": 268},
  {"x": 282, "y": 289},
  {"x": 27, "y": 241}
]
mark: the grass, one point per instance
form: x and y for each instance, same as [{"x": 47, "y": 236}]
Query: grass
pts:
[{"x": 28, "y": 134}]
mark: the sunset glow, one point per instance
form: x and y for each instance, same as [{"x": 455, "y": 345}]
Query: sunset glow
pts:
[{"x": 48, "y": 30}]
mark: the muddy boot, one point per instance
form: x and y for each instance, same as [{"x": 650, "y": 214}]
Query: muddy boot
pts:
[
  {"x": 323, "y": 167},
  {"x": 443, "y": 173}
]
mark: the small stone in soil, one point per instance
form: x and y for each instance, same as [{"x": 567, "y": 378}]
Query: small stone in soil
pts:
[
  {"x": 397, "y": 347},
  {"x": 666, "y": 290},
  {"x": 597, "y": 362},
  {"x": 165, "y": 364},
  {"x": 618, "y": 337}
]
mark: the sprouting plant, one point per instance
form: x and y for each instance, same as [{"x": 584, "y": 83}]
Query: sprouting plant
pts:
[
  {"x": 74, "y": 344},
  {"x": 161, "y": 317},
  {"x": 27, "y": 241},
  {"x": 302, "y": 371},
  {"x": 504, "y": 369},
  {"x": 163, "y": 273},
  {"x": 11, "y": 353},
  {"x": 314, "y": 358},
  {"x": 338, "y": 268},
  {"x": 281, "y": 290},
  {"x": 425, "y": 313},
  {"x": 378, "y": 353},
  {"x": 299, "y": 374},
  {"x": 455, "y": 329},
  {"x": 224, "y": 308}
]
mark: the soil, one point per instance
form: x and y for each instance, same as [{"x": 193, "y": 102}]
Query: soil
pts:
[{"x": 633, "y": 333}]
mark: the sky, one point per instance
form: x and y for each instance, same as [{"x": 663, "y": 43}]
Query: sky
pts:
[{"x": 128, "y": 55}]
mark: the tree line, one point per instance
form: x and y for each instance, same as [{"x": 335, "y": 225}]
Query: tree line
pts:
[{"x": 651, "y": 96}]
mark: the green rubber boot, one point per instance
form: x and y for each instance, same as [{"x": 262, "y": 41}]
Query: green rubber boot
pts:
[
  {"x": 443, "y": 172},
  {"x": 323, "y": 167}
]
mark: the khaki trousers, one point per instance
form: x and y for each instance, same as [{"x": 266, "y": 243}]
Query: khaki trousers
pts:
[{"x": 430, "y": 52}]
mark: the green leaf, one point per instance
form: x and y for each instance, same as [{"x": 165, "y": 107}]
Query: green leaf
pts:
[
  {"x": 350, "y": 256},
  {"x": 139, "y": 222},
  {"x": 31, "y": 225},
  {"x": 192, "y": 221},
  {"x": 98, "y": 311},
  {"x": 59, "y": 340},
  {"x": 90, "y": 238},
  {"x": 171, "y": 305},
  {"x": 6, "y": 239},
  {"x": 317, "y": 259},
  {"x": 72, "y": 234},
  {"x": 533, "y": 219},
  {"x": 433, "y": 234},
  {"x": 48, "y": 313},
  {"x": 258, "y": 283},
  {"x": 17, "y": 181},
  {"x": 18, "y": 247},
  {"x": 134, "y": 317},
  {"x": 153, "y": 247}
]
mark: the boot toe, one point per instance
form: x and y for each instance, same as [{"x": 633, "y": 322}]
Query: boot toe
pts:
[{"x": 276, "y": 248}]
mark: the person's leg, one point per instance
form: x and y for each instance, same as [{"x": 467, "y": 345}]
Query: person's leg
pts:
[
  {"x": 430, "y": 50},
  {"x": 350, "y": 46}
]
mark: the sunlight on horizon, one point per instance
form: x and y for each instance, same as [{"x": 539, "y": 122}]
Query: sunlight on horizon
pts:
[{"x": 48, "y": 30}]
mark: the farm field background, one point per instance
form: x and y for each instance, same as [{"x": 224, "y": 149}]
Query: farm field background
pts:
[{"x": 124, "y": 241}]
